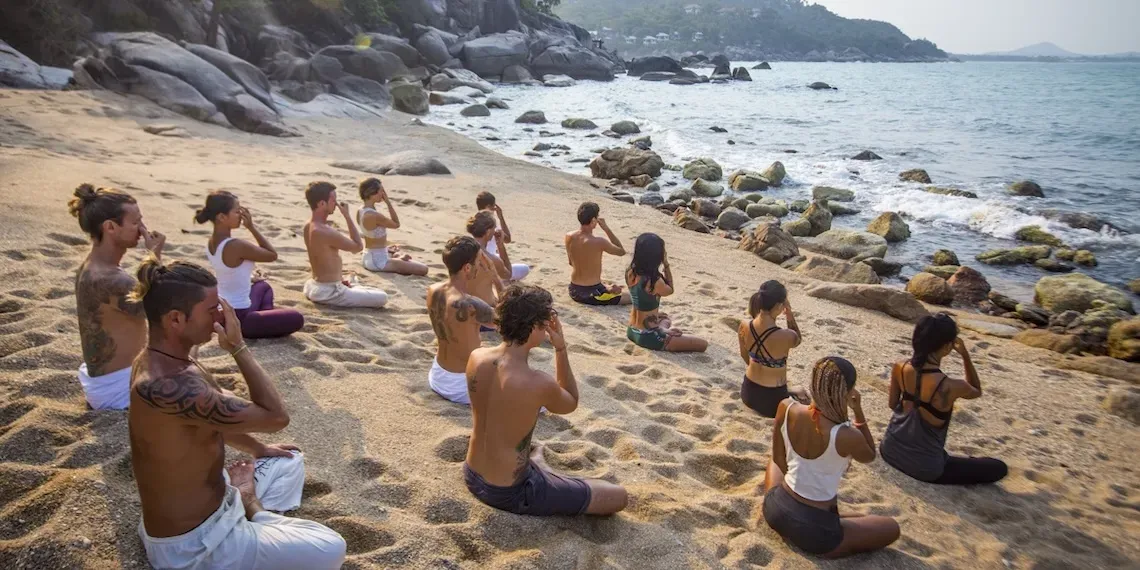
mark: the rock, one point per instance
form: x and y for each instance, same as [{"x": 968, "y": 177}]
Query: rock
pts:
[
  {"x": 915, "y": 175},
  {"x": 832, "y": 194},
  {"x": 641, "y": 180},
  {"x": 703, "y": 168},
  {"x": 771, "y": 243},
  {"x": 574, "y": 61},
  {"x": 943, "y": 271},
  {"x": 173, "y": 131},
  {"x": 799, "y": 206},
  {"x": 400, "y": 47},
  {"x": 882, "y": 267},
  {"x": 652, "y": 199},
  {"x": 950, "y": 192},
  {"x": 440, "y": 98},
  {"x": 931, "y": 289},
  {"x": 477, "y": 110},
  {"x": 1034, "y": 234},
  {"x": 798, "y": 228},
  {"x": 1094, "y": 327},
  {"x": 707, "y": 189},
  {"x": 468, "y": 92},
  {"x": 166, "y": 91},
  {"x": 1066, "y": 254},
  {"x": 379, "y": 66},
  {"x": 1002, "y": 301},
  {"x": 747, "y": 181},
  {"x": 580, "y": 124},
  {"x": 1037, "y": 338},
  {"x": 542, "y": 147},
  {"x": 846, "y": 244},
  {"x": 685, "y": 195},
  {"x": 685, "y": 218},
  {"x": 516, "y": 74},
  {"x": 533, "y": 153},
  {"x": 1026, "y": 188},
  {"x": 361, "y": 90},
  {"x": 1124, "y": 340},
  {"x": 741, "y": 74},
  {"x": 433, "y": 47},
  {"x": 826, "y": 269},
  {"x": 820, "y": 85},
  {"x": 654, "y": 187},
  {"x": 705, "y": 208},
  {"x": 1134, "y": 285},
  {"x": 449, "y": 79},
  {"x": 409, "y": 98},
  {"x": 891, "y": 226},
  {"x": 252, "y": 79},
  {"x": 1102, "y": 366},
  {"x": 1015, "y": 256},
  {"x": 532, "y": 117},
  {"x": 1053, "y": 266},
  {"x": 496, "y": 103},
  {"x": 642, "y": 65},
  {"x": 1033, "y": 314},
  {"x": 625, "y": 163},
  {"x": 1085, "y": 257},
  {"x": 406, "y": 163},
  {"x": 762, "y": 65},
  {"x": 558, "y": 81},
  {"x": 945, "y": 257},
  {"x": 841, "y": 210},
  {"x": 1079, "y": 220},
  {"x": 716, "y": 129},
  {"x": 970, "y": 286},
  {"x": 819, "y": 218},
  {"x": 660, "y": 76},
  {"x": 644, "y": 143},
  {"x": 490, "y": 55},
  {"x": 889, "y": 300},
  {"x": 1077, "y": 292},
  {"x": 760, "y": 210},
  {"x": 623, "y": 197},
  {"x": 989, "y": 328},
  {"x": 866, "y": 155},
  {"x": 1124, "y": 402},
  {"x": 731, "y": 219},
  {"x": 625, "y": 128},
  {"x": 775, "y": 173},
  {"x": 19, "y": 71}
]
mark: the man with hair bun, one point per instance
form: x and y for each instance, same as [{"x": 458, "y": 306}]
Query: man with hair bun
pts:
[
  {"x": 195, "y": 513},
  {"x": 111, "y": 326}
]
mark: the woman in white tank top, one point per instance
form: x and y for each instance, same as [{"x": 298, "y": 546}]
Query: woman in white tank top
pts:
[
  {"x": 812, "y": 447},
  {"x": 374, "y": 226},
  {"x": 234, "y": 260}
]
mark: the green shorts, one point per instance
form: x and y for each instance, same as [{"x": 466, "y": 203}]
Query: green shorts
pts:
[{"x": 653, "y": 339}]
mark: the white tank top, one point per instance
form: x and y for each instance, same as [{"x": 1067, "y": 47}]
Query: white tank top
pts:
[
  {"x": 233, "y": 282},
  {"x": 814, "y": 479},
  {"x": 379, "y": 232}
]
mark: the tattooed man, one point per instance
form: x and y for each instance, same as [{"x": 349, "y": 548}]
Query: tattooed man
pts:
[
  {"x": 501, "y": 469},
  {"x": 457, "y": 316},
  {"x": 195, "y": 513},
  {"x": 111, "y": 327}
]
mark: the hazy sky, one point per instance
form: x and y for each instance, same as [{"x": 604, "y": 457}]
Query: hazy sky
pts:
[{"x": 979, "y": 26}]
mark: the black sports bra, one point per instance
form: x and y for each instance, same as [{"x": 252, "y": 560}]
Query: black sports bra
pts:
[
  {"x": 907, "y": 396},
  {"x": 759, "y": 354}
]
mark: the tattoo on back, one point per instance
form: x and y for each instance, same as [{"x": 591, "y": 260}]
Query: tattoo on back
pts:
[
  {"x": 188, "y": 396},
  {"x": 468, "y": 305},
  {"x": 523, "y": 450},
  {"x": 437, "y": 312},
  {"x": 92, "y": 292}
]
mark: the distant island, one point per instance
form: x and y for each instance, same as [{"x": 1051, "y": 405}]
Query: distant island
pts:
[
  {"x": 1048, "y": 52},
  {"x": 771, "y": 30}
]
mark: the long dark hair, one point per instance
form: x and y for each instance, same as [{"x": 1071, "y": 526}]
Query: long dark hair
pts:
[
  {"x": 930, "y": 334},
  {"x": 648, "y": 255},
  {"x": 771, "y": 293}
]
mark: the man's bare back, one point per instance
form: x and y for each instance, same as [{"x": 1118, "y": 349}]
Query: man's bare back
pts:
[
  {"x": 112, "y": 329},
  {"x": 584, "y": 251},
  {"x": 456, "y": 317}
]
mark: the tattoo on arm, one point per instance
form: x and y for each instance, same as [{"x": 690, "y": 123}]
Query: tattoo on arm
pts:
[
  {"x": 465, "y": 307},
  {"x": 187, "y": 395}
]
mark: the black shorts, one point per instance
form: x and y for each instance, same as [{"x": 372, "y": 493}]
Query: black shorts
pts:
[
  {"x": 594, "y": 295},
  {"x": 812, "y": 530},
  {"x": 763, "y": 399},
  {"x": 539, "y": 493}
]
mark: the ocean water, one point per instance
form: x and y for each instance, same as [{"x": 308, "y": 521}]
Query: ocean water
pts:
[{"x": 1073, "y": 128}]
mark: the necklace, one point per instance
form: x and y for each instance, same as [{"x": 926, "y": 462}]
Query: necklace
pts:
[{"x": 168, "y": 355}]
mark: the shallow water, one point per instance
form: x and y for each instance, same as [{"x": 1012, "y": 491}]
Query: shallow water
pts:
[{"x": 1073, "y": 128}]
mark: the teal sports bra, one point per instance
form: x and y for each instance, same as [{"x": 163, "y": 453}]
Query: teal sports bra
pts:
[{"x": 643, "y": 300}]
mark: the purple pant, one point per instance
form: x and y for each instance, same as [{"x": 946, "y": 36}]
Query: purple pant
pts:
[{"x": 261, "y": 320}]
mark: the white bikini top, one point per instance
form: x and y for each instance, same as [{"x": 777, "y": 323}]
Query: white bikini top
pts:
[
  {"x": 233, "y": 282},
  {"x": 380, "y": 232},
  {"x": 814, "y": 479}
]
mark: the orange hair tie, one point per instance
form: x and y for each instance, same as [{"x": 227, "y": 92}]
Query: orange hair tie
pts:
[{"x": 815, "y": 413}]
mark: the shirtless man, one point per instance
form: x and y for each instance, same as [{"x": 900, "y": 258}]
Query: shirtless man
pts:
[
  {"x": 485, "y": 202},
  {"x": 324, "y": 243},
  {"x": 487, "y": 284},
  {"x": 195, "y": 514},
  {"x": 111, "y": 327},
  {"x": 584, "y": 250},
  {"x": 506, "y": 395},
  {"x": 456, "y": 316}
]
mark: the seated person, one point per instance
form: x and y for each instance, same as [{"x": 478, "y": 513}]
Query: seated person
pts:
[
  {"x": 324, "y": 244},
  {"x": 485, "y": 201},
  {"x": 922, "y": 400},
  {"x": 765, "y": 347},
  {"x": 488, "y": 282},
  {"x": 501, "y": 469},
  {"x": 234, "y": 261},
  {"x": 584, "y": 250},
  {"x": 112, "y": 328},
  {"x": 646, "y": 287},
  {"x": 812, "y": 447},
  {"x": 378, "y": 255},
  {"x": 456, "y": 317},
  {"x": 195, "y": 514}
]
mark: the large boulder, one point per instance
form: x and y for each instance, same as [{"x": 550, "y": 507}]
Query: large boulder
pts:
[
  {"x": 732, "y": 219},
  {"x": 705, "y": 208},
  {"x": 915, "y": 175},
  {"x": 409, "y": 98},
  {"x": 771, "y": 243},
  {"x": 167, "y": 91},
  {"x": 449, "y": 79},
  {"x": 945, "y": 257},
  {"x": 747, "y": 181},
  {"x": 489, "y": 55},
  {"x": 846, "y": 244},
  {"x": 969, "y": 285},
  {"x": 1016, "y": 256},
  {"x": 661, "y": 76},
  {"x": 625, "y": 128},
  {"x": 433, "y": 46},
  {"x": 685, "y": 218},
  {"x": 891, "y": 226},
  {"x": 1034, "y": 234},
  {"x": 361, "y": 90},
  {"x": 642, "y": 65},
  {"x": 573, "y": 60},
  {"x": 476, "y": 110},
  {"x": 443, "y": 98},
  {"x": 931, "y": 289},
  {"x": 578, "y": 123},
  {"x": 762, "y": 65},
  {"x": 703, "y": 168},
  {"x": 832, "y": 194},
  {"x": 838, "y": 209},
  {"x": 1077, "y": 292},
  {"x": 775, "y": 173},
  {"x": 1026, "y": 188},
  {"x": 398, "y": 46},
  {"x": 819, "y": 218},
  {"x": 1124, "y": 340},
  {"x": 517, "y": 74},
  {"x": 380, "y": 66},
  {"x": 889, "y": 300},
  {"x": 625, "y": 163},
  {"x": 707, "y": 189},
  {"x": 741, "y": 74},
  {"x": 532, "y": 118},
  {"x": 252, "y": 79},
  {"x": 406, "y": 163},
  {"x": 761, "y": 210},
  {"x": 19, "y": 71},
  {"x": 826, "y": 269}
]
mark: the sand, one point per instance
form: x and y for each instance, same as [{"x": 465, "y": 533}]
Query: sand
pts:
[{"x": 384, "y": 453}]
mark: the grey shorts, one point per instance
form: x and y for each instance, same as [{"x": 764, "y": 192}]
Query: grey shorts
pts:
[
  {"x": 539, "y": 493},
  {"x": 812, "y": 530}
]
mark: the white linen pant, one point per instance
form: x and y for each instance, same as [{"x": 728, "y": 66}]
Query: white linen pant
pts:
[
  {"x": 340, "y": 295},
  {"x": 111, "y": 391},
  {"x": 450, "y": 385}
]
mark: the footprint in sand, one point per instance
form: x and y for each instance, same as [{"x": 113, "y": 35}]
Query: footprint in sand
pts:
[
  {"x": 446, "y": 510},
  {"x": 453, "y": 449},
  {"x": 361, "y": 535}
]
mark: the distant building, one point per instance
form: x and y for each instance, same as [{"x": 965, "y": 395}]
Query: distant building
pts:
[
  {"x": 693, "y": 9},
  {"x": 698, "y": 36},
  {"x": 663, "y": 37},
  {"x": 649, "y": 40}
]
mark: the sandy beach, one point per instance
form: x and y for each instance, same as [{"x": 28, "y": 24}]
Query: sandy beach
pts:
[{"x": 384, "y": 453}]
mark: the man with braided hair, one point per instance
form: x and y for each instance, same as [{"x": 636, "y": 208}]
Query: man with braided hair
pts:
[{"x": 195, "y": 513}]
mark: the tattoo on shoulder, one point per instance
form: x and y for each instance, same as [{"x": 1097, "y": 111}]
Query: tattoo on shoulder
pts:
[
  {"x": 93, "y": 290},
  {"x": 468, "y": 305},
  {"x": 187, "y": 395}
]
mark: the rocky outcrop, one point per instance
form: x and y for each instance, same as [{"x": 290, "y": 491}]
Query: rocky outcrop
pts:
[
  {"x": 1062, "y": 343},
  {"x": 943, "y": 271},
  {"x": 832, "y": 194},
  {"x": 705, "y": 208},
  {"x": 931, "y": 289},
  {"x": 409, "y": 98},
  {"x": 625, "y": 163},
  {"x": 762, "y": 209},
  {"x": 1015, "y": 256},
  {"x": 747, "y": 181},
  {"x": 771, "y": 243},
  {"x": 658, "y": 76},
  {"x": 970, "y": 286},
  {"x": 891, "y": 226},
  {"x": 741, "y": 74},
  {"x": 380, "y": 66},
  {"x": 703, "y": 168},
  {"x": 1134, "y": 286},
  {"x": 517, "y": 74},
  {"x": 945, "y": 257},
  {"x": 915, "y": 175},
  {"x": 643, "y": 65},
  {"x": 882, "y": 267},
  {"x": 731, "y": 219},
  {"x": 889, "y": 300},
  {"x": 252, "y": 79},
  {"x": 361, "y": 90},
  {"x": 574, "y": 61},
  {"x": 826, "y": 269},
  {"x": 489, "y": 56},
  {"x": 775, "y": 173},
  {"x": 1077, "y": 292},
  {"x": 688, "y": 220},
  {"x": 818, "y": 219},
  {"x": 407, "y": 163},
  {"x": 20, "y": 72},
  {"x": 449, "y": 79},
  {"x": 409, "y": 55},
  {"x": 1026, "y": 188},
  {"x": 846, "y": 244}
]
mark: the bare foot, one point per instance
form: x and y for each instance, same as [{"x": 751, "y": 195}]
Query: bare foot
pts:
[{"x": 538, "y": 458}]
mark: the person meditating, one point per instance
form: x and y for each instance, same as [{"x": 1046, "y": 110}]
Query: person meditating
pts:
[
  {"x": 487, "y": 283},
  {"x": 765, "y": 346},
  {"x": 485, "y": 202},
  {"x": 112, "y": 329},
  {"x": 649, "y": 328},
  {"x": 195, "y": 514},
  {"x": 234, "y": 261},
  {"x": 456, "y": 317},
  {"x": 584, "y": 250},
  {"x": 324, "y": 244},
  {"x": 374, "y": 226},
  {"x": 922, "y": 399},
  {"x": 501, "y": 469},
  {"x": 812, "y": 446}
]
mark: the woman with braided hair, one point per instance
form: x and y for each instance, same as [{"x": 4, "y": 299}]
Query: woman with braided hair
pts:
[{"x": 812, "y": 446}]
